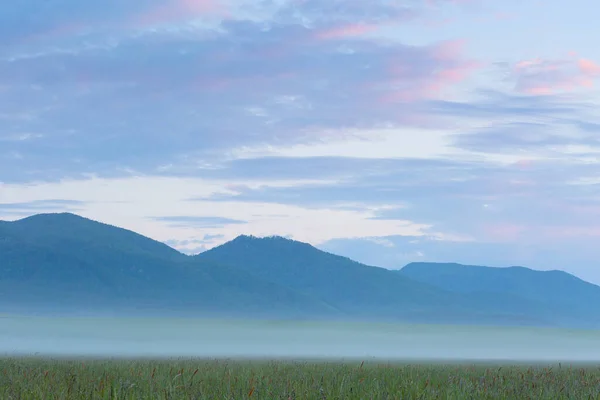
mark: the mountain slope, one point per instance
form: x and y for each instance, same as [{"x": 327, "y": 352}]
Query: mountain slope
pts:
[
  {"x": 60, "y": 261},
  {"x": 350, "y": 286},
  {"x": 562, "y": 292},
  {"x": 62, "y": 231},
  {"x": 364, "y": 291}
]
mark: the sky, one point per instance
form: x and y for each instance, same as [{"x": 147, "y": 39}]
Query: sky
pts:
[{"x": 387, "y": 131}]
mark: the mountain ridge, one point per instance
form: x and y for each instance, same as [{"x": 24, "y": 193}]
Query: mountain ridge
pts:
[
  {"x": 258, "y": 261},
  {"x": 95, "y": 264},
  {"x": 284, "y": 238},
  {"x": 545, "y": 286},
  {"x": 114, "y": 274}
]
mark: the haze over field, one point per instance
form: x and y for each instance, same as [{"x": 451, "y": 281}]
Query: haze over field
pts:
[
  {"x": 171, "y": 337},
  {"x": 387, "y": 131}
]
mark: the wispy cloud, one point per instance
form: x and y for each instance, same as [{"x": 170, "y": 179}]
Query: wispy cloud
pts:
[
  {"x": 549, "y": 138},
  {"x": 174, "y": 11},
  {"x": 23, "y": 209},
  {"x": 346, "y": 31},
  {"x": 50, "y": 204},
  {"x": 198, "y": 221},
  {"x": 541, "y": 77}
]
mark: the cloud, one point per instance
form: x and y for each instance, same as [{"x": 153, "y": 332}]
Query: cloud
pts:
[
  {"x": 172, "y": 97},
  {"x": 588, "y": 67},
  {"x": 173, "y": 11},
  {"x": 389, "y": 16},
  {"x": 457, "y": 200},
  {"x": 321, "y": 170},
  {"x": 445, "y": 66},
  {"x": 38, "y": 20},
  {"x": 136, "y": 203},
  {"x": 194, "y": 246},
  {"x": 319, "y": 13},
  {"x": 213, "y": 237},
  {"x": 496, "y": 104},
  {"x": 542, "y": 77},
  {"x": 50, "y": 204},
  {"x": 23, "y": 209},
  {"x": 33, "y": 21},
  {"x": 188, "y": 246},
  {"x": 20, "y": 137},
  {"x": 198, "y": 221},
  {"x": 345, "y": 31},
  {"x": 541, "y": 137},
  {"x": 363, "y": 181}
]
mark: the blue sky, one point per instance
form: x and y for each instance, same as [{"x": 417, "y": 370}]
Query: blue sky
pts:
[{"x": 389, "y": 131}]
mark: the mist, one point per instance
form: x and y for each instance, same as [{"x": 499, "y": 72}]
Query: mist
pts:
[{"x": 171, "y": 337}]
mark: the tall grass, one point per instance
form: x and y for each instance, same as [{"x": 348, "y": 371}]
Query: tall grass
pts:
[{"x": 220, "y": 379}]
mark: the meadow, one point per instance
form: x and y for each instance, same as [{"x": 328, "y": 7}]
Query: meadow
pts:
[{"x": 46, "y": 378}]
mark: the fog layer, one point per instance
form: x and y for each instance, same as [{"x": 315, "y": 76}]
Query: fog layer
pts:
[{"x": 166, "y": 337}]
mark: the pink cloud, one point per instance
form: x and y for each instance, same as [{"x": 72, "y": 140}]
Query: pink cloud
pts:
[
  {"x": 543, "y": 77},
  {"x": 443, "y": 67},
  {"x": 355, "y": 29},
  {"x": 588, "y": 67},
  {"x": 448, "y": 77},
  {"x": 448, "y": 50}
]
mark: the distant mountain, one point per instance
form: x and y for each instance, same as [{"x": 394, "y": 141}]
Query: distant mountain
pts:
[
  {"x": 63, "y": 263},
  {"x": 54, "y": 262},
  {"x": 353, "y": 288},
  {"x": 370, "y": 292},
  {"x": 562, "y": 292}
]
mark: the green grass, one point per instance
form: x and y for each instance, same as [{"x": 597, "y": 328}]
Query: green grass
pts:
[{"x": 24, "y": 378}]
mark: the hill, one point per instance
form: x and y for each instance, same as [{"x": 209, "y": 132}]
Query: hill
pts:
[
  {"x": 59, "y": 262},
  {"x": 356, "y": 289},
  {"x": 364, "y": 291},
  {"x": 563, "y": 292}
]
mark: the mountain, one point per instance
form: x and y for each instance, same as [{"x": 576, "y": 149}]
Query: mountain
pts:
[
  {"x": 370, "y": 292},
  {"x": 562, "y": 292},
  {"x": 64, "y": 263},
  {"x": 57, "y": 262},
  {"x": 353, "y": 288}
]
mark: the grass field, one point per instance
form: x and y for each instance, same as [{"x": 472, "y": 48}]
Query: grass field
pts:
[{"x": 24, "y": 378}]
